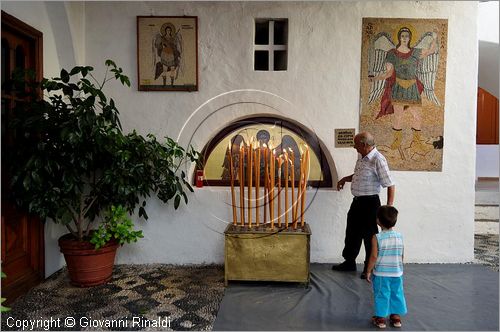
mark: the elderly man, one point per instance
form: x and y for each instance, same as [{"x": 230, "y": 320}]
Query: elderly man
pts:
[{"x": 370, "y": 174}]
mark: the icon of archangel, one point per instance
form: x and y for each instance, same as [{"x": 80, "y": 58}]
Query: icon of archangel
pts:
[
  {"x": 167, "y": 53},
  {"x": 402, "y": 68}
]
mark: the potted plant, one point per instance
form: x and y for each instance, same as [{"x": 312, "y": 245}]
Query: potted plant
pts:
[{"x": 71, "y": 162}]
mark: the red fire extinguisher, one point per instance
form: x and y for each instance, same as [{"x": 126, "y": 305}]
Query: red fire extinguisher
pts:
[{"x": 199, "y": 178}]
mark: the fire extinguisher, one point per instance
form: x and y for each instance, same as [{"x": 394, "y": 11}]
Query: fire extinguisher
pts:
[{"x": 199, "y": 178}]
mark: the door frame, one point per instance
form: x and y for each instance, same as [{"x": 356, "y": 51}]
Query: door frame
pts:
[
  {"x": 35, "y": 37},
  {"x": 14, "y": 24}
]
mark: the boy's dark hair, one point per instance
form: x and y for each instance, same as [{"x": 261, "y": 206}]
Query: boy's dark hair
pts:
[{"x": 387, "y": 216}]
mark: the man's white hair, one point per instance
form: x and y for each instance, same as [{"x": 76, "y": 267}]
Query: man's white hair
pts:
[{"x": 366, "y": 138}]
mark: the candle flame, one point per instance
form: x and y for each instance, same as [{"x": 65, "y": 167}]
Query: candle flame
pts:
[
  {"x": 291, "y": 151},
  {"x": 274, "y": 152},
  {"x": 241, "y": 144},
  {"x": 264, "y": 145}
]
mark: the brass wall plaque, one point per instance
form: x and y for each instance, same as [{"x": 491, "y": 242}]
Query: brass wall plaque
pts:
[{"x": 344, "y": 138}]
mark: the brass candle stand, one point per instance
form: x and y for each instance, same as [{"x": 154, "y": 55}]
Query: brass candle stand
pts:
[{"x": 278, "y": 248}]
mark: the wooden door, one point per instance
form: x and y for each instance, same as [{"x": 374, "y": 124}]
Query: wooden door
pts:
[
  {"x": 22, "y": 234},
  {"x": 487, "y": 118}
]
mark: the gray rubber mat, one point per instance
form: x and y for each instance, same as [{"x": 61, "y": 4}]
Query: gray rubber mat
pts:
[{"x": 451, "y": 297}]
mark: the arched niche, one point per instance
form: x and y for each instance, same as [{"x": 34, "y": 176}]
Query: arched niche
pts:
[{"x": 281, "y": 133}]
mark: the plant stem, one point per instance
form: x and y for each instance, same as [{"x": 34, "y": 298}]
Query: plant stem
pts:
[
  {"x": 88, "y": 207},
  {"x": 88, "y": 228},
  {"x": 71, "y": 230},
  {"x": 73, "y": 212},
  {"x": 80, "y": 217}
]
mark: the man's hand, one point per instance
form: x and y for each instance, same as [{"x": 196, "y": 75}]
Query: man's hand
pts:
[
  {"x": 340, "y": 184},
  {"x": 369, "y": 277}
]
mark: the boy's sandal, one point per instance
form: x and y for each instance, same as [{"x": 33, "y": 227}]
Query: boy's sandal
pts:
[
  {"x": 395, "y": 320},
  {"x": 379, "y": 322}
]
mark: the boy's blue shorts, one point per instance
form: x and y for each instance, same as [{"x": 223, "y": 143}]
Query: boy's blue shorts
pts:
[{"x": 388, "y": 296}]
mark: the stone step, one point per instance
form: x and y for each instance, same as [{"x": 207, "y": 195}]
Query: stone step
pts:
[
  {"x": 486, "y": 212},
  {"x": 486, "y": 227},
  {"x": 487, "y": 197}
]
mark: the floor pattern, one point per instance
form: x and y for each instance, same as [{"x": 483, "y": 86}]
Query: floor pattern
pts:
[
  {"x": 182, "y": 297},
  {"x": 486, "y": 250}
]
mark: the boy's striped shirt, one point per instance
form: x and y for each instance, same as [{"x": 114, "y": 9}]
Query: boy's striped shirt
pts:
[{"x": 390, "y": 254}]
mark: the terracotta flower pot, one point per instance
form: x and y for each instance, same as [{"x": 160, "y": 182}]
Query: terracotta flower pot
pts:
[{"x": 87, "y": 266}]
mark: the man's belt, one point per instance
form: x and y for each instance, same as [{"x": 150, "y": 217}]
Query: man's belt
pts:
[{"x": 356, "y": 198}]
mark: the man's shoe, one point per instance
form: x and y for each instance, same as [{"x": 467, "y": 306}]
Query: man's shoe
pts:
[{"x": 345, "y": 266}]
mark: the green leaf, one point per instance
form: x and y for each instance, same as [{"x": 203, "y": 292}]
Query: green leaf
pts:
[
  {"x": 75, "y": 70},
  {"x": 64, "y": 76},
  {"x": 177, "y": 201},
  {"x": 2, "y": 308},
  {"x": 110, "y": 63},
  {"x": 68, "y": 91}
]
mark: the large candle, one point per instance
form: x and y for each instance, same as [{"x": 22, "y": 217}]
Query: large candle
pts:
[
  {"x": 257, "y": 184},
  {"x": 292, "y": 176},
  {"x": 242, "y": 186},
  {"x": 265, "y": 183},
  {"x": 286, "y": 189},
  {"x": 280, "y": 162},
  {"x": 249, "y": 168},
  {"x": 269, "y": 175},
  {"x": 306, "y": 175},
  {"x": 299, "y": 188},
  {"x": 271, "y": 214},
  {"x": 231, "y": 174}
]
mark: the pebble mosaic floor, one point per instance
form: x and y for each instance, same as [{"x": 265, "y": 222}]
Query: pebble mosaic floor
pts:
[
  {"x": 183, "y": 297},
  {"x": 486, "y": 250}
]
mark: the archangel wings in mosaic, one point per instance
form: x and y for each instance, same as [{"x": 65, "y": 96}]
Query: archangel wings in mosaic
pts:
[{"x": 419, "y": 65}]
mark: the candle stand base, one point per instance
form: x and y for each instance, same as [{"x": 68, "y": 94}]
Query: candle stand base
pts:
[{"x": 262, "y": 254}]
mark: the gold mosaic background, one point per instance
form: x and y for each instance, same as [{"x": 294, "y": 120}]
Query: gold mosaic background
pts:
[{"x": 214, "y": 166}]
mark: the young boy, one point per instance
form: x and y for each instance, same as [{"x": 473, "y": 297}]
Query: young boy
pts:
[{"x": 385, "y": 270}]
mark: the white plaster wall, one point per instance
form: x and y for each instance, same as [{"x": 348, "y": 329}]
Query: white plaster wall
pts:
[
  {"x": 75, "y": 11},
  {"x": 488, "y": 21},
  {"x": 488, "y": 67},
  {"x": 35, "y": 13},
  {"x": 487, "y": 164},
  {"x": 319, "y": 89}
]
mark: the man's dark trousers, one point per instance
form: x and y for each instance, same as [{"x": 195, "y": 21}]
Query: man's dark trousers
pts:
[{"x": 361, "y": 225}]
